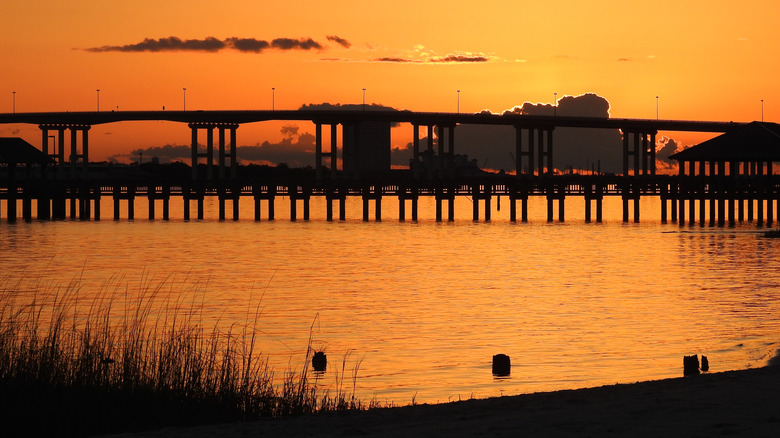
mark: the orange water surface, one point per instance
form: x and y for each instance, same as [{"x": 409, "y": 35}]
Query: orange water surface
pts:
[{"x": 423, "y": 306}]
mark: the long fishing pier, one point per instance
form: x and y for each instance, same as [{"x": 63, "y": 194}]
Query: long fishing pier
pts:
[{"x": 712, "y": 201}]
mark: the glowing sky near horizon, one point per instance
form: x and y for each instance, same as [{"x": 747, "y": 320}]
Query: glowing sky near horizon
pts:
[{"x": 713, "y": 60}]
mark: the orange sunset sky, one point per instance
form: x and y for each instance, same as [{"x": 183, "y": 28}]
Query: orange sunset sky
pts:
[{"x": 705, "y": 60}]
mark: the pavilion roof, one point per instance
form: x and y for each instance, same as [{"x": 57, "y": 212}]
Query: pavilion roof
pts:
[
  {"x": 14, "y": 150},
  {"x": 756, "y": 141}
]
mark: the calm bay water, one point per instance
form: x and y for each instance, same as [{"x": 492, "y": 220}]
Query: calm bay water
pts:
[{"x": 424, "y": 306}]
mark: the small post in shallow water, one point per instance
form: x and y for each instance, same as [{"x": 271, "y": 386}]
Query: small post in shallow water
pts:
[
  {"x": 501, "y": 365},
  {"x": 319, "y": 361},
  {"x": 690, "y": 365},
  {"x": 705, "y": 364}
]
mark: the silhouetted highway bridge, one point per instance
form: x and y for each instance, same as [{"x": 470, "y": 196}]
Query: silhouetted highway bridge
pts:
[{"x": 71, "y": 183}]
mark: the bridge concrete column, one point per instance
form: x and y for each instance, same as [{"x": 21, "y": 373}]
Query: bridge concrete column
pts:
[
  {"x": 85, "y": 148},
  {"x": 334, "y": 158},
  {"x": 550, "y": 168},
  {"x": 318, "y": 150},
  {"x": 652, "y": 152},
  {"x": 625, "y": 153},
  {"x": 58, "y": 152},
  {"x": 531, "y": 162},
  {"x": 451, "y": 153},
  {"x": 210, "y": 152},
  {"x": 440, "y": 157},
  {"x": 429, "y": 153},
  {"x": 540, "y": 152},
  {"x": 74, "y": 154},
  {"x": 637, "y": 155},
  {"x": 221, "y": 153},
  {"x": 194, "y": 150},
  {"x": 233, "y": 152},
  {"x": 73, "y": 151},
  {"x": 351, "y": 149},
  {"x": 518, "y": 150},
  {"x": 415, "y": 148}
]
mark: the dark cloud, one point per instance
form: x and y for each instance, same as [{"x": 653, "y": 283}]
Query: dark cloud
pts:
[
  {"x": 456, "y": 58},
  {"x": 453, "y": 58},
  {"x": 209, "y": 44},
  {"x": 340, "y": 41},
  {"x": 392, "y": 59},
  {"x": 289, "y": 131},
  {"x": 494, "y": 146},
  {"x": 248, "y": 44},
  {"x": 292, "y": 43},
  {"x": 668, "y": 146},
  {"x": 295, "y": 149},
  {"x": 166, "y": 154}
]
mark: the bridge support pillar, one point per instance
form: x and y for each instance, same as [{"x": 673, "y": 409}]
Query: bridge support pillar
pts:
[
  {"x": 209, "y": 154},
  {"x": 318, "y": 150},
  {"x": 537, "y": 151},
  {"x": 642, "y": 152},
  {"x": 334, "y": 150},
  {"x": 415, "y": 165}
]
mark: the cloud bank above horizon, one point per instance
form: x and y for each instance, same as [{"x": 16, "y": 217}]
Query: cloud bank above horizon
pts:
[{"x": 212, "y": 45}]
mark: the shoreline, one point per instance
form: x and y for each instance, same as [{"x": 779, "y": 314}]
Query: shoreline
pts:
[{"x": 744, "y": 402}]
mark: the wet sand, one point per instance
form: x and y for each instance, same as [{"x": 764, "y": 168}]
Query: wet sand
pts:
[{"x": 740, "y": 403}]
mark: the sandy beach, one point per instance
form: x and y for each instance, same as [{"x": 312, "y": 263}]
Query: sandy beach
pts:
[{"x": 740, "y": 403}]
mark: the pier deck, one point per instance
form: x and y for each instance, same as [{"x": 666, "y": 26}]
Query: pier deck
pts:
[{"x": 711, "y": 200}]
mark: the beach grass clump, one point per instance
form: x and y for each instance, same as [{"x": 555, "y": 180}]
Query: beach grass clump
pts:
[{"x": 70, "y": 368}]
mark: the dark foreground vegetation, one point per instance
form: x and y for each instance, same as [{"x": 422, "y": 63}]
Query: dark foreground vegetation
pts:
[{"x": 69, "y": 368}]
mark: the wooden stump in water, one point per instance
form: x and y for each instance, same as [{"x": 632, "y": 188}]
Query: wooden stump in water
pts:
[
  {"x": 690, "y": 365},
  {"x": 501, "y": 365},
  {"x": 705, "y": 364},
  {"x": 319, "y": 361}
]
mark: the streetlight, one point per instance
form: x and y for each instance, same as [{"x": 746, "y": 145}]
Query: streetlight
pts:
[
  {"x": 458, "y": 101},
  {"x": 184, "y": 92},
  {"x": 364, "y": 99},
  {"x": 273, "y": 98},
  {"x": 555, "y": 107},
  {"x": 656, "y": 107},
  {"x": 14, "y": 101},
  {"x": 762, "y": 110},
  {"x": 98, "y": 100}
]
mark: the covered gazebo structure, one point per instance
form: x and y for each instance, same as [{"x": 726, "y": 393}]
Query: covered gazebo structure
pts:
[
  {"x": 16, "y": 184},
  {"x": 14, "y": 152},
  {"x": 734, "y": 172}
]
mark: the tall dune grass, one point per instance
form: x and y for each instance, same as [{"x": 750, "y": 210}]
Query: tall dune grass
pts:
[{"x": 74, "y": 368}]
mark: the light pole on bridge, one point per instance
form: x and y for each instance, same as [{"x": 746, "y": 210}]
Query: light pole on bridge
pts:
[
  {"x": 98, "y": 100},
  {"x": 458, "y": 101},
  {"x": 364, "y": 99},
  {"x": 184, "y": 93},
  {"x": 14, "y": 101},
  {"x": 273, "y": 98}
]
